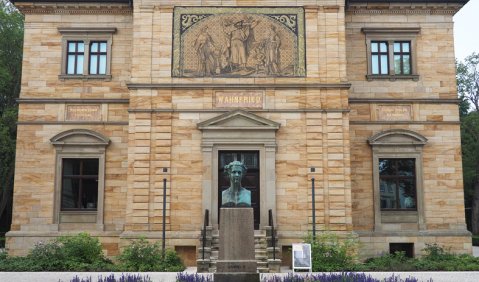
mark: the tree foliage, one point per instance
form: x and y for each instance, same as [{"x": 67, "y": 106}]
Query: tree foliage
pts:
[
  {"x": 467, "y": 76},
  {"x": 468, "y": 80},
  {"x": 11, "y": 48}
]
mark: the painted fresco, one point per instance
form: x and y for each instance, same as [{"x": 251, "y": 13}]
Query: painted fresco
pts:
[{"x": 238, "y": 42}]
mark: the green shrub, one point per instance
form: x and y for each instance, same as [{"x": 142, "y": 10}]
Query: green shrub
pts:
[
  {"x": 141, "y": 255},
  {"x": 390, "y": 262},
  {"x": 68, "y": 253},
  {"x": 330, "y": 253}
]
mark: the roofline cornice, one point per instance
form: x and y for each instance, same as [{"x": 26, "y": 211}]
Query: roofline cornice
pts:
[
  {"x": 432, "y": 7},
  {"x": 74, "y": 8}
]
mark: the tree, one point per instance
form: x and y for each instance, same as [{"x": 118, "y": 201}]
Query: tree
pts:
[
  {"x": 11, "y": 48},
  {"x": 467, "y": 76},
  {"x": 468, "y": 90}
]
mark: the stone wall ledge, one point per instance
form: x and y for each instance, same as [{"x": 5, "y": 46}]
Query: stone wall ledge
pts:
[{"x": 225, "y": 85}]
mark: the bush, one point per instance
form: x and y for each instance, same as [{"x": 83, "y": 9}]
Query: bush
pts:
[
  {"x": 389, "y": 262},
  {"x": 141, "y": 255},
  {"x": 68, "y": 253},
  {"x": 187, "y": 277},
  {"x": 329, "y": 253}
]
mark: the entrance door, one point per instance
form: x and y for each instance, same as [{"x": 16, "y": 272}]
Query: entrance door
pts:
[{"x": 250, "y": 179}]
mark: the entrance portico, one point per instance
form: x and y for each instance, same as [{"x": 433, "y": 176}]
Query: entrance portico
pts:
[{"x": 239, "y": 131}]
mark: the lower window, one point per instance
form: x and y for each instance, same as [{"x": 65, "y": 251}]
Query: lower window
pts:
[
  {"x": 397, "y": 184},
  {"x": 79, "y": 184}
]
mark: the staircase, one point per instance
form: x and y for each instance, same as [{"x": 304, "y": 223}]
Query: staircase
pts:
[{"x": 263, "y": 251}]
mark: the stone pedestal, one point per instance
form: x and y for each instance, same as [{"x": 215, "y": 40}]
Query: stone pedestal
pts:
[{"x": 236, "y": 260}]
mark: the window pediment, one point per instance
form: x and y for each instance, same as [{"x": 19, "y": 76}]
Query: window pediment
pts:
[
  {"x": 83, "y": 137},
  {"x": 397, "y": 137}
]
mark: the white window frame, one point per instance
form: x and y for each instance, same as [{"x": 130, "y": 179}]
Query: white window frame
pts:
[
  {"x": 87, "y": 35},
  {"x": 391, "y": 35}
]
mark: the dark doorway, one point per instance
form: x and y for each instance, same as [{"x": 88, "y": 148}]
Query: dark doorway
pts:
[{"x": 250, "y": 179}]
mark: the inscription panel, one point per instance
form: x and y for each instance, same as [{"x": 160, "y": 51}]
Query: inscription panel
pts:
[
  {"x": 238, "y": 42},
  {"x": 395, "y": 112},
  {"x": 83, "y": 112},
  {"x": 236, "y": 99}
]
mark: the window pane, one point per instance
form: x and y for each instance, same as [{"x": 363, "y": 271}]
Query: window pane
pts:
[
  {"x": 386, "y": 167},
  {"x": 383, "y": 47},
  {"x": 81, "y": 48},
  {"x": 397, "y": 47},
  {"x": 103, "y": 47},
  {"x": 406, "y": 167},
  {"x": 384, "y": 64},
  {"x": 407, "y": 194},
  {"x": 93, "y": 64},
  {"x": 102, "y": 64},
  {"x": 71, "y": 166},
  {"x": 397, "y": 64},
  {"x": 375, "y": 64},
  {"x": 94, "y": 47},
  {"x": 89, "y": 194},
  {"x": 70, "y": 190},
  {"x": 388, "y": 194},
  {"x": 405, "y": 47},
  {"x": 90, "y": 166},
  {"x": 80, "y": 65},
  {"x": 374, "y": 47},
  {"x": 71, "y": 47},
  {"x": 406, "y": 64},
  {"x": 71, "y": 64}
]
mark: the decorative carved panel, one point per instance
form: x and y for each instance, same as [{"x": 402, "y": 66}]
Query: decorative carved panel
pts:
[
  {"x": 83, "y": 113},
  {"x": 394, "y": 113},
  {"x": 238, "y": 42}
]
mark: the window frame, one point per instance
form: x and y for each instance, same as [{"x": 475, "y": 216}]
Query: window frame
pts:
[
  {"x": 396, "y": 179},
  {"x": 81, "y": 176},
  {"x": 86, "y": 35},
  {"x": 392, "y": 35},
  {"x": 79, "y": 144},
  {"x": 76, "y": 55},
  {"x": 398, "y": 144}
]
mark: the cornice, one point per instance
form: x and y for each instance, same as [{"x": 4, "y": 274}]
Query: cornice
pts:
[
  {"x": 74, "y": 8},
  {"x": 396, "y": 8},
  {"x": 237, "y": 86}
]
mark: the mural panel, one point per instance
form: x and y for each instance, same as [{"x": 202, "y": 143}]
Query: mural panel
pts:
[{"x": 238, "y": 42}]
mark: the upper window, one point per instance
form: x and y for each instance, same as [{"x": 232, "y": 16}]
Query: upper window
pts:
[
  {"x": 79, "y": 184},
  {"x": 87, "y": 52},
  {"x": 397, "y": 184},
  {"x": 391, "y": 53}
]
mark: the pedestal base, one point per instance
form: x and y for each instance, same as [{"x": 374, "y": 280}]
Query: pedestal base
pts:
[{"x": 236, "y": 277}]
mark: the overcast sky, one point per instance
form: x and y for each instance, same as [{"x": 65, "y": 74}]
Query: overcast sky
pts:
[{"x": 466, "y": 30}]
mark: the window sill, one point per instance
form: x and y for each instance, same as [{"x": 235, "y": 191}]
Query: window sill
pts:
[
  {"x": 399, "y": 216},
  {"x": 106, "y": 77},
  {"x": 413, "y": 77},
  {"x": 79, "y": 216}
]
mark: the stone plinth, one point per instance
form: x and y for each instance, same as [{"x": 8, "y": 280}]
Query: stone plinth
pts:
[{"x": 236, "y": 260}]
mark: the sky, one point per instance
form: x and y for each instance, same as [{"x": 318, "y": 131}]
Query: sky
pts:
[{"x": 466, "y": 30}]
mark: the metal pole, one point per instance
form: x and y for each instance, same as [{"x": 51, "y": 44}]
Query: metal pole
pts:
[
  {"x": 314, "y": 208},
  {"x": 164, "y": 218}
]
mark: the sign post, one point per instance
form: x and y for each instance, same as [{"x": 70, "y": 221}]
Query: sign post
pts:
[{"x": 302, "y": 257}]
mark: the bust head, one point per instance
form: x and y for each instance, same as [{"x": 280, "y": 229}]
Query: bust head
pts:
[{"x": 235, "y": 171}]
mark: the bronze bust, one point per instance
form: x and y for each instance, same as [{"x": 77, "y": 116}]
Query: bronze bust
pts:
[{"x": 235, "y": 195}]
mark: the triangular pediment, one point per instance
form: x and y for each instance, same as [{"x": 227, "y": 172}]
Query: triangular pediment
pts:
[{"x": 239, "y": 119}]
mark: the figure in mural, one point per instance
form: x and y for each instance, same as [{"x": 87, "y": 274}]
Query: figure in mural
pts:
[
  {"x": 235, "y": 195},
  {"x": 205, "y": 50},
  {"x": 241, "y": 39},
  {"x": 272, "y": 52}
]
